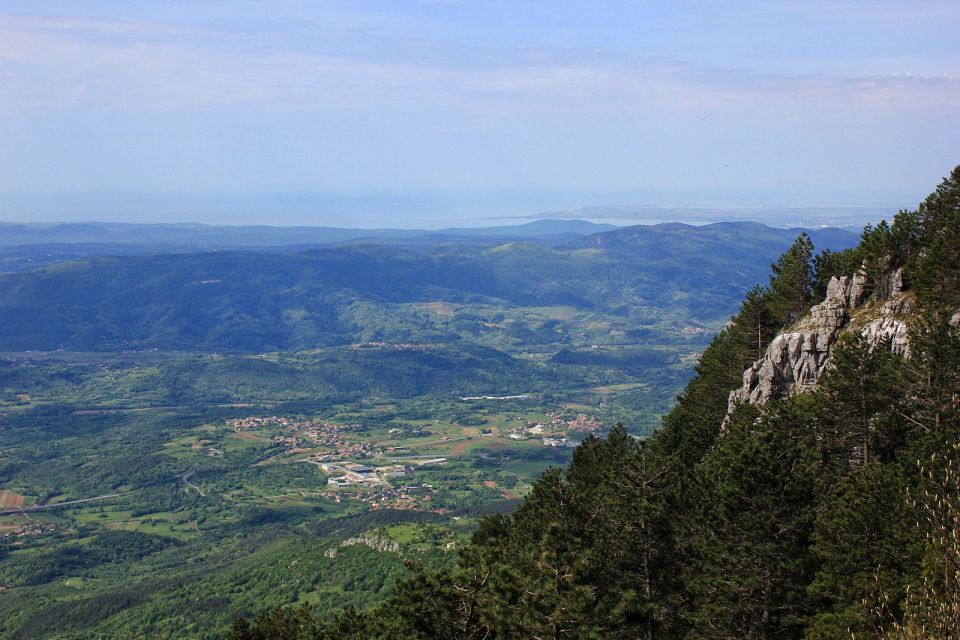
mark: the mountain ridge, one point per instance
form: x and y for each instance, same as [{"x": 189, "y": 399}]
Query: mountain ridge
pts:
[
  {"x": 197, "y": 235},
  {"x": 212, "y": 299}
]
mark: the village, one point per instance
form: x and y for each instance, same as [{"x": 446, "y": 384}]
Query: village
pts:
[
  {"x": 406, "y": 497},
  {"x": 555, "y": 435},
  {"x": 352, "y": 473},
  {"x": 32, "y": 528},
  {"x": 397, "y": 346},
  {"x": 373, "y": 465},
  {"x": 339, "y": 452}
]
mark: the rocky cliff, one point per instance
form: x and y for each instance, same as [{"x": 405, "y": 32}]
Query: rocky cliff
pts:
[
  {"x": 377, "y": 543},
  {"x": 797, "y": 357}
]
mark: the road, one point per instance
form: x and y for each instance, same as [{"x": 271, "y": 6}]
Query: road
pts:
[
  {"x": 65, "y": 503},
  {"x": 186, "y": 481}
]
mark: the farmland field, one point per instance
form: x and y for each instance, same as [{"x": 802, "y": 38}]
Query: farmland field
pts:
[{"x": 10, "y": 500}]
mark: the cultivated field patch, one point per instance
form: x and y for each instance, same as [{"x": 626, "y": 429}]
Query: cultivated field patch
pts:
[
  {"x": 459, "y": 448},
  {"x": 446, "y": 309},
  {"x": 10, "y": 500}
]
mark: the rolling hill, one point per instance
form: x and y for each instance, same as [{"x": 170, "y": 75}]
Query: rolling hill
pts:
[{"x": 252, "y": 301}]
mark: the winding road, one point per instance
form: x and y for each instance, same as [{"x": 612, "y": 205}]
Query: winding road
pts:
[{"x": 186, "y": 481}]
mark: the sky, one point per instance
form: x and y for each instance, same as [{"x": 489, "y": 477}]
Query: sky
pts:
[{"x": 436, "y": 112}]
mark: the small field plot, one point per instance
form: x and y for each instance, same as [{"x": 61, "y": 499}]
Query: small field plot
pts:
[
  {"x": 75, "y": 583},
  {"x": 615, "y": 388},
  {"x": 447, "y": 309},
  {"x": 527, "y": 468},
  {"x": 11, "y": 500},
  {"x": 553, "y": 313}
]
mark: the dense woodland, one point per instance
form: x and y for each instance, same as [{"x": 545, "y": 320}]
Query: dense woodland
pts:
[{"x": 826, "y": 515}]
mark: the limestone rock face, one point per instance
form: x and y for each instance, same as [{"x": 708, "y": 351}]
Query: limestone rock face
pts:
[
  {"x": 894, "y": 285},
  {"x": 889, "y": 326},
  {"x": 382, "y": 544},
  {"x": 795, "y": 360},
  {"x": 851, "y": 291},
  {"x": 377, "y": 543}
]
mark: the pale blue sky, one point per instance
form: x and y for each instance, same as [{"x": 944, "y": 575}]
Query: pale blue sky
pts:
[{"x": 401, "y": 113}]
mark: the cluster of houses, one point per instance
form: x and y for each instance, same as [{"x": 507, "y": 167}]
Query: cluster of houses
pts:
[
  {"x": 397, "y": 346},
  {"x": 32, "y": 528},
  {"x": 698, "y": 331},
  {"x": 256, "y": 422},
  {"x": 554, "y": 435},
  {"x": 206, "y": 445},
  {"x": 371, "y": 485},
  {"x": 322, "y": 433},
  {"x": 526, "y": 431},
  {"x": 347, "y": 449},
  {"x": 403, "y": 498},
  {"x": 300, "y": 436},
  {"x": 289, "y": 441},
  {"x": 352, "y": 474},
  {"x": 581, "y": 423},
  {"x": 559, "y": 443}
]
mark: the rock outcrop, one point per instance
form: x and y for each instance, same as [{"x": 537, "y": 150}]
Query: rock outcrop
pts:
[
  {"x": 889, "y": 325},
  {"x": 377, "y": 543},
  {"x": 796, "y": 359}
]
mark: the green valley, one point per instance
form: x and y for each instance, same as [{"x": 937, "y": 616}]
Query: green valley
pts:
[{"x": 231, "y": 431}]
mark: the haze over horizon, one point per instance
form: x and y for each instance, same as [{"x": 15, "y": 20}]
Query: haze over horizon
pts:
[{"x": 442, "y": 113}]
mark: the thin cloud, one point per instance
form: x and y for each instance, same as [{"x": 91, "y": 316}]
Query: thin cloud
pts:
[{"x": 57, "y": 64}]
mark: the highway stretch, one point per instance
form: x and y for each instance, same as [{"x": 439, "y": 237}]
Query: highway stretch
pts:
[{"x": 65, "y": 503}]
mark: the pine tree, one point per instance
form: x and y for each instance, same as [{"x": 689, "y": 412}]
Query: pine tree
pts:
[
  {"x": 865, "y": 545},
  {"x": 935, "y": 268},
  {"x": 930, "y": 380},
  {"x": 933, "y": 606},
  {"x": 240, "y": 630},
  {"x": 860, "y": 391},
  {"x": 440, "y": 604},
  {"x": 749, "y": 543},
  {"x": 879, "y": 254},
  {"x": 907, "y": 230},
  {"x": 649, "y": 537},
  {"x": 790, "y": 281},
  {"x": 630, "y": 523},
  {"x": 757, "y": 322},
  {"x": 279, "y": 623}
]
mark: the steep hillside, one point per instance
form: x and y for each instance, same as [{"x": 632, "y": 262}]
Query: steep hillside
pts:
[
  {"x": 825, "y": 506},
  {"x": 800, "y": 355}
]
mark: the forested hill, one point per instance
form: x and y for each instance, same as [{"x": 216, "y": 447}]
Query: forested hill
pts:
[
  {"x": 259, "y": 301},
  {"x": 777, "y": 525},
  {"x": 739, "y": 239}
]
